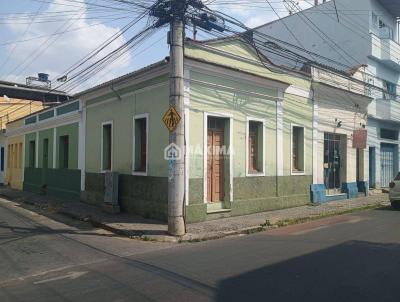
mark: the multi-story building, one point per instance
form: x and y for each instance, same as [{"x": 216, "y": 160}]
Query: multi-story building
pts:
[{"x": 352, "y": 35}]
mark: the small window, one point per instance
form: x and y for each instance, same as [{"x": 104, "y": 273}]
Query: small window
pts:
[
  {"x": 106, "y": 147},
  {"x": 255, "y": 147},
  {"x": 32, "y": 154},
  {"x": 389, "y": 134},
  {"x": 216, "y": 123},
  {"x": 297, "y": 149},
  {"x": 140, "y": 151},
  {"x": 390, "y": 90},
  {"x": 64, "y": 152}
]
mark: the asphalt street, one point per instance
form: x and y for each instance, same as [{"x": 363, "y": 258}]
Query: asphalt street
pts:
[{"x": 353, "y": 257}]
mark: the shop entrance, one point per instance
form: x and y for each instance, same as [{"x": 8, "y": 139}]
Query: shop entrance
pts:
[{"x": 332, "y": 164}]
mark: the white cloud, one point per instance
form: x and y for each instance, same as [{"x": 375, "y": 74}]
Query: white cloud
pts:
[
  {"x": 259, "y": 14},
  {"x": 56, "y": 54},
  {"x": 255, "y": 21}
]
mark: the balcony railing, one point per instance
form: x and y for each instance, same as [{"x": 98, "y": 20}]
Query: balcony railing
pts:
[{"x": 386, "y": 50}]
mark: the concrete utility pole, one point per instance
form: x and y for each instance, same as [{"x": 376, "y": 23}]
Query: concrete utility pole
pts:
[
  {"x": 174, "y": 12},
  {"x": 176, "y": 182}
]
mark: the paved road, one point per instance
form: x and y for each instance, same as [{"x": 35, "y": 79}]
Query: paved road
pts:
[{"x": 346, "y": 258}]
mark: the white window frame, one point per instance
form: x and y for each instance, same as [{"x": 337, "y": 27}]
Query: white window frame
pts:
[
  {"x": 374, "y": 25},
  {"x": 137, "y": 117},
  {"x": 102, "y": 146},
  {"x": 253, "y": 119},
  {"x": 291, "y": 150}
]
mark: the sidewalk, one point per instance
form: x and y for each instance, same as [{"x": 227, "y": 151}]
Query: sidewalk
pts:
[{"x": 137, "y": 227}]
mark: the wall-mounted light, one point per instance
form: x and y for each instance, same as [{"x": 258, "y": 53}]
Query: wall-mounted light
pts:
[{"x": 338, "y": 123}]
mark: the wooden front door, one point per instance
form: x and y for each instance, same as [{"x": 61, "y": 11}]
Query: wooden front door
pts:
[{"x": 215, "y": 165}]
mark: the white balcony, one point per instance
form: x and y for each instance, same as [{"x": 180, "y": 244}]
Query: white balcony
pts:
[
  {"x": 388, "y": 110},
  {"x": 386, "y": 51}
]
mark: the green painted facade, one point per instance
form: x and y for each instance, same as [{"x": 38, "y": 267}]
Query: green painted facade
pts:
[
  {"x": 253, "y": 94},
  {"x": 243, "y": 100},
  {"x": 46, "y": 175},
  {"x": 143, "y": 195}
]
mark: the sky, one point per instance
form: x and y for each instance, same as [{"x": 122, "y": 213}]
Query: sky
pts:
[{"x": 50, "y": 36}]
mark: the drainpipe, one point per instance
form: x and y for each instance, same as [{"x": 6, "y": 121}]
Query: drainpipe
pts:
[{"x": 313, "y": 126}]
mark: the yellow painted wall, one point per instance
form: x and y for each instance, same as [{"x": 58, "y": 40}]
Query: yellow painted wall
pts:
[{"x": 14, "y": 174}]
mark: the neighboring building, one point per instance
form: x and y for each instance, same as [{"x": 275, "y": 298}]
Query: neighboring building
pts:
[
  {"x": 16, "y": 101},
  {"x": 368, "y": 38},
  {"x": 44, "y": 151},
  {"x": 340, "y": 169}
]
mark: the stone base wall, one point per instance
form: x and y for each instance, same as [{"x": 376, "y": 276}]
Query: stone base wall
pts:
[
  {"x": 94, "y": 189},
  {"x": 140, "y": 195},
  {"x": 253, "y": 195},
  {"x": 148, "y": 196},
  {"x": 144, "y": 195},
  {"x": 260, "y": 194}
]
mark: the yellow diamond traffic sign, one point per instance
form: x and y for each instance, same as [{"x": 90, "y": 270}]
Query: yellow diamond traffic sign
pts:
[{"x": 171, "y": 118}]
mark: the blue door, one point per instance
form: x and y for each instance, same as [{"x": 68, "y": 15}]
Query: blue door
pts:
[{"x": 388, "y": 160}]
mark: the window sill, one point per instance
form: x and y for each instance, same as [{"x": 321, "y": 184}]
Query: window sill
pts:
[
  {"x": 138, "y": 173},
  {"x": 298, "y": 173},
  {"x": 255, "y": 174}
]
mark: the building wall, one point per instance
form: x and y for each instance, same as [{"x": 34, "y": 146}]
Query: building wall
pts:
[
  {"x": 53, "y": 180},
  {"x": 240, "y": 99},
  {"x": 352, "y": 41},
  {"x": 333, "y": 106},
  {"x": 312, "y": 27},
  {"x": 250, "y": 193},
  {"x": 144, "y": 195}
]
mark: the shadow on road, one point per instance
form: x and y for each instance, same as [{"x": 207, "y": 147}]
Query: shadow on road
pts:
[{"x": 353, "y": 271}]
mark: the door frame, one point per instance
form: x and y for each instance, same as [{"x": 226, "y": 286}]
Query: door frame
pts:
[
  {"x": 342, "y": 170},
  {"x": 372, "y": 166},
  {"x": 205, "y": 153},
  {"x": 395, "y": 160}
]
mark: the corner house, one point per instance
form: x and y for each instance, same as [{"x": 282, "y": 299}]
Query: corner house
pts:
[
  {"x": 257, "y": 117},
  {"x": 48, "y": 153}
]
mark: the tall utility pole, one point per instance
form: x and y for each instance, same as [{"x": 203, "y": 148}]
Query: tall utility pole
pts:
[
  {"x": 174, "y": 13},
  {"x": 176, "y": 182}
]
